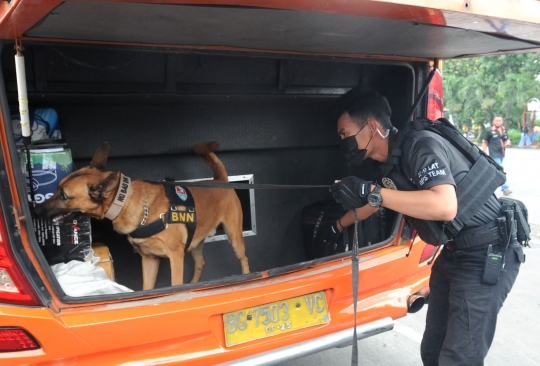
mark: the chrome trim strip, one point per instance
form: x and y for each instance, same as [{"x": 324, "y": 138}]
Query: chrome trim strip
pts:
[{"x": 339, "y": 339}]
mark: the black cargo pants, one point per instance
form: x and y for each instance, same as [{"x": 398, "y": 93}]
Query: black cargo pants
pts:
[{"x": 462, "y": 311}]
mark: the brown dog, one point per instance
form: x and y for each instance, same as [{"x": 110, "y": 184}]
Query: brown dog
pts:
[{"x": 97, "y": 193}]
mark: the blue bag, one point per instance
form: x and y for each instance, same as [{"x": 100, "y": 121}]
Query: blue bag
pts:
[{"x": 44, "y": 125}]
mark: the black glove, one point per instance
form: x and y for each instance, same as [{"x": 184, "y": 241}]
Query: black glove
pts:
[
  {"x": 351, "y": 192},
  {"x": 329, "y": 233}
]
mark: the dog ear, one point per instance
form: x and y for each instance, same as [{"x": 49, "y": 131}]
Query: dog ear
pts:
[
  {"x": 100, "y": 157},
  {"x": 103, "y": 188}
]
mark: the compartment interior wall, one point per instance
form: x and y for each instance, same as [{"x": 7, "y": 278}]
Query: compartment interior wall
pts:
[{"x": 272, "y": 118}]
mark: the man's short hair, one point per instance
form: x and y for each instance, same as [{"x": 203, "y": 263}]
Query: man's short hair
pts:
[{"x": 364, "y": 104}]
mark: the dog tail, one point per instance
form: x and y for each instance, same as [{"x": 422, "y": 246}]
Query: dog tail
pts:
[{"x": 206, "y": 151}]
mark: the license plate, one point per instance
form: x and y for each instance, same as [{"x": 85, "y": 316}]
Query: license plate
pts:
[{"x": 275, "y": 318}]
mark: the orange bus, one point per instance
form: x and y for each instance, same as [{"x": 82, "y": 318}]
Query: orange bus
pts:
[{"x": 260, "y": 77}]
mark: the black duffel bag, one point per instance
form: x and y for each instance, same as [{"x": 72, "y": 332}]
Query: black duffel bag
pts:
[{"x": 316, "y": 222}]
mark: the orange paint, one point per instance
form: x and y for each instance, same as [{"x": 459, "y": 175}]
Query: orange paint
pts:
[{"x": 186, "y": 327}]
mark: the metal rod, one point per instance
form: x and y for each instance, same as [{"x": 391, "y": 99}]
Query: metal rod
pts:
[
  {"x": 23, "y": 97},
  {"x": 24, "y": 113},
  {"x": 422, "y": 92}
]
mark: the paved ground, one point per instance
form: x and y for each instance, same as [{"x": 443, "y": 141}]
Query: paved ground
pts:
[{"x": 517, "y": 340}]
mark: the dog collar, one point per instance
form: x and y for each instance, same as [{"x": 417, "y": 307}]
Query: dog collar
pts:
[{"x": 124, "y": 187}]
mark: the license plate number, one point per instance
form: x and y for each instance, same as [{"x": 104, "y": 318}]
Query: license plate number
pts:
[{"x": 275, "y": 318}]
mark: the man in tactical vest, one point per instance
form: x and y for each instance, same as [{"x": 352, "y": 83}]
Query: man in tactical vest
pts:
[{"x": 463, "y": 302}]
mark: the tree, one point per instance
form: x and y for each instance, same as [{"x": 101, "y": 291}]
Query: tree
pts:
[{"x": 477, "y": 88}]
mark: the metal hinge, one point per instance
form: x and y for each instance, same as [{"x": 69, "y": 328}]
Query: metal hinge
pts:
[{"x": 17, "y": 218}]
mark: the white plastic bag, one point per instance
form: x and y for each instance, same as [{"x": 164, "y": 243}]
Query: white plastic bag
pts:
[{"x": 85, "y": 278}]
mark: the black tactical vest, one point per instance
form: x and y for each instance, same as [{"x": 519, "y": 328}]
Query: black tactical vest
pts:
[{"x": 473, "y": 191}]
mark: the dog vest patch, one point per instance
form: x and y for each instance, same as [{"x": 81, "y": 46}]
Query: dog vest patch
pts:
[
  {"x": 181, "y": 217},
  {"x": 181, "y": 196},
  {"x": 181, "y": 192}
]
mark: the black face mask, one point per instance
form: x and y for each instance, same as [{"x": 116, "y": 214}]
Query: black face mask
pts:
[{"x": 349, "y": 148}]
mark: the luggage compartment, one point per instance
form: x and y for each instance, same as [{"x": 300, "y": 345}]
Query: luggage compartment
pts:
[{"x": 271, "y": 114}]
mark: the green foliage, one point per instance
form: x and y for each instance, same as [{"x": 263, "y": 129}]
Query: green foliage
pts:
[
  {"x": 514, "y": 136},
  {"x": 477, "y": 88}
]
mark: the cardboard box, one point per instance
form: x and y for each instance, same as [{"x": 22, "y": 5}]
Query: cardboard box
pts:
[{"x": 105, "y": 259}]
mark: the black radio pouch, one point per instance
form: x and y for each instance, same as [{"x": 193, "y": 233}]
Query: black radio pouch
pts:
[{"x": 521, "y": 215}]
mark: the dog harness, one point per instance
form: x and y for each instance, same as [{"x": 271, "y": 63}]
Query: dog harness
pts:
[{"x": 177, "y": 196}]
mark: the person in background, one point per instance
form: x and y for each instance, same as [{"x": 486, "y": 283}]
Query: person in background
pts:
[
  {"x": 525, "y": 138},
  {"x": 496, "y": 140}
]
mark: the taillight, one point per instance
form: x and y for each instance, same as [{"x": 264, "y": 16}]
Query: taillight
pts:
[
  {"x": 428, "y": 253},
  {"x": 435, "y": 108},
  {"x": 16, "y": 339},
  {"x": 14, "y": 287}
]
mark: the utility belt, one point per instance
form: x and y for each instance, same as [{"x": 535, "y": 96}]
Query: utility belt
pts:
[
  {"x": 500, "y": 233},
  {"x": 494, "y": 233}
]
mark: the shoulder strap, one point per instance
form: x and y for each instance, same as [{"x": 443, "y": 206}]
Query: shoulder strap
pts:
[
  {"x": 395, "y": 140},
  {"x": 447, "y": 130},
  {"x": 148, "y": 230}
]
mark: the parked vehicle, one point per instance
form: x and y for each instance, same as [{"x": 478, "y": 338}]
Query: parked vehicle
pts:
[{"x": 260, "y": 78}]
